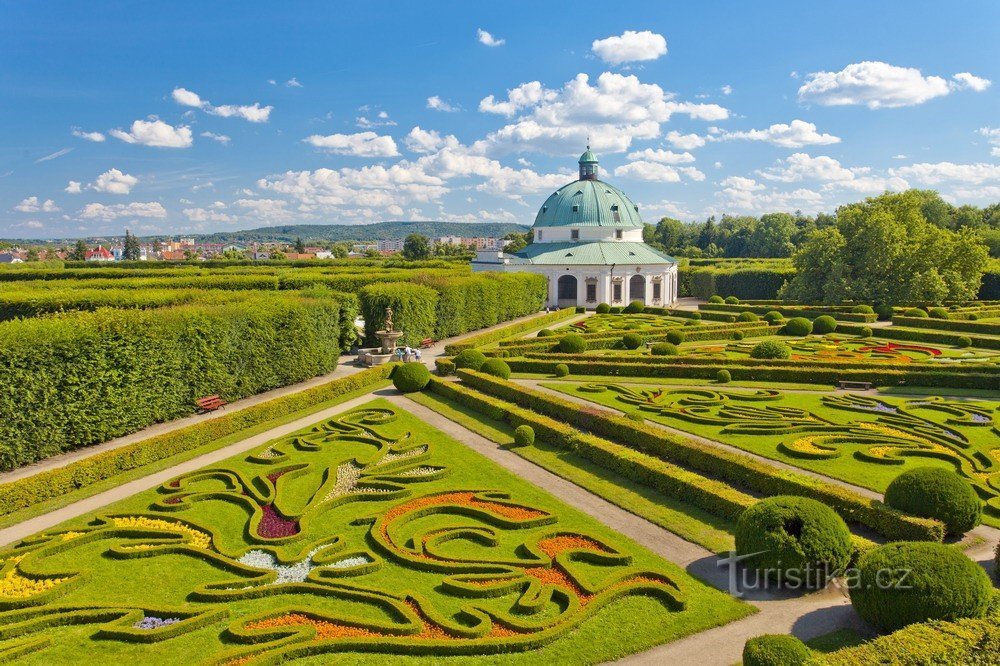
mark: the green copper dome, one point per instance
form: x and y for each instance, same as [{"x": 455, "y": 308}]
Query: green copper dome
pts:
[
  {"x": 589, "y": 203},
  {"x": 588, "y": 157}
]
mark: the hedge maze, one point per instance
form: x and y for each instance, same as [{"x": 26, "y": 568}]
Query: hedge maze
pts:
[{"x": 368, "y": 533}]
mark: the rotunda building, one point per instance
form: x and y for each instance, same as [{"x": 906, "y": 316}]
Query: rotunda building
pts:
[{"x": 587, "y": 240}]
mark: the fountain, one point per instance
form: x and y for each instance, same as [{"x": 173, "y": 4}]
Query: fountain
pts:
[{"x": 388, "y": 337}]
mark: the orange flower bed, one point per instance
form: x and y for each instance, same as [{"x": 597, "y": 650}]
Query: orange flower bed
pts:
[
  {"x": 324, "y": 630},
  {"x": 552, "y": 546},
  {"x": 553, "y": 576}
]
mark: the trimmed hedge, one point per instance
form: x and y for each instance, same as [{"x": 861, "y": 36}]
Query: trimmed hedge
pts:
[
  {"x": 472, "y": 359},
  {"x": 414, "y": 310},
  {"x": 958, "y": 325},
  {"x": 632, "y": 341},
  {"x": 82, "y": 378},
  {"x": 411, "y": 377},
  {"x": 32, "y": 490},
  {"x": 962, "y": 642},
  {"x": 775, "y": 650},
  {"x": 572, "y": 343},
  {"x": 524, "y": 435},
  {"x": 798, "y": 326},
  {"x": 918, "y": 335},
  {"x": 824, "y": 324},
  {"x": 935, "y": 492},
  {"x": 771, "y": 349},
  {"x": 512, "y": 330},
  {"x": 472, "y": 302},
  {"x": 497, "y": 368},
  {"x": 737, "y": 469},
  {"x": 663, "y": 349}
]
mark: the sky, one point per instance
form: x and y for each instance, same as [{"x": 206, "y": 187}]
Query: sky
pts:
[{"x": 190, "y": 117}]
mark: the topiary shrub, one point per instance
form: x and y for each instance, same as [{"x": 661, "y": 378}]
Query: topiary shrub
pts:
[
  {"x": 635, "y": 307},
  {"x": 635, "y": 415},
  {"x": 770, "y": 349},
  {"x": 716, "y": 299},
  {"x": 695, "y": 316},
  {"x": 632, "y": 340},
  {"x": 963, "y": 341},
  {"x": 663, "y": 349},
  {"x": 915, "y": 581},
  {"x": 561, "y": 370},
  {"x": 916, "y": 312},
  {"x": 738, "y": 335},
  {"x": 884, "y": 312},
  {"x": 939, "y": 313},
  {"x": 497, "y": 368},
  {"x": 503, "y": 353},
  {"x": 863, "y": 309},
  {"x": 411, "y": 377},
  {"x": 732, "y": 300},
  {"x": 675, "y": 337},
  {"x": 973, "y": 316},
  {"x": 935, "y": 492},
  {"x": 824, "y": 324},
  {"x": 723, "y": 377},
  {"x": 603, "y": 308},
  {"x": 865, "y": 332},
  {"x": 546, "y": 333},
  {"x": 775, "y": 650},
  {"x": 798, "y": 326},
  {"x": 773, "y": 317},
  {"x": 796, "y": 534},
  {"x": 615, "y": 309},
  {"x": 572, "y": 343},
  {"x": 472, "y": 359},
  {"x": 524, "y": 435},
  {"x": 748, "y": 316}
]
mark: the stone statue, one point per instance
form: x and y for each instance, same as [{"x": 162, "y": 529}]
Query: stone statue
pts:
[{"x": 388, "y": 319}]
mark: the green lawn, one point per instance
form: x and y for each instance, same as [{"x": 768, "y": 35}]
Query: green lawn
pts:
[
  {"x": 368, "y": 531},
  {"x": 864, "y": 441}
]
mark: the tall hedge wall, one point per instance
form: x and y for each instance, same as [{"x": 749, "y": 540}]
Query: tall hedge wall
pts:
[
  {"x": 81, "y": 378},
  {"x": 414, "y": 309},
  {"x": 750, "y": 282}
]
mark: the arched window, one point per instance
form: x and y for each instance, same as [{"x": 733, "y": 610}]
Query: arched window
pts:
[
  {"x": 566, "y": 291},
  {"x": 637, "y": 288}
]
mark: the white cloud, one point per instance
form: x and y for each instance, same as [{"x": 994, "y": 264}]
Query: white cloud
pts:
[
  {"x": 630, "y": 46},
  {"x": 964, "y": 80},
  {"x": 745, "y": 195},
  {"x": 660, "y": 155},
  {"x": 293, "y": 83},
  {"x": 114, "y": 181},
  {"x": 726, "y": 90},
  {"x": 33, "y": 205},
  {"x": 155, "y": 133},
  {"x": 800, "y": 166},
  {"x": 742, "y": 184},
  {"x": 665, "y": 208},
  {"x": 381, "y": 119},
  {"x": 435, "y": 103},
  {"x": 992, "y": 135},
  {"x": 796, "y": 135},
  {"x": 427, "y": 141},
  {"x": 74, "y": 187},
  {"x": 900, "y": 156},
  {"x": 685, "y": 141},
  {"x": 254, "y": 113},
  {"x": 96, "y": 137},
  {"x": 266, "y": 210},
  {"x": 52, "y": 156},
  {"x": 362, "y": 144},
  {"x": 221, "y": 138},
  {"x": 204, "y": 215},
  {"x": 113, "y": 212},
  {"x": 879, "y": 85},
  {"x": 657, "y": 172},
  {"x": 488, "y": 39},
  {"x": 612, "y": 113},
  {"x": 944, "y": 172}
]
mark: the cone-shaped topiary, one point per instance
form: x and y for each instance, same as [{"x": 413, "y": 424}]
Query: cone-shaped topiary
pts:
[
  {"x": 770, "y": 349},
  {"x": 411, "y": 377},
  {"x": 471, "y": 359},
  {"x": 572, "y": 343},
  {"x": 787, "y": 534},
  {"x": 497, "y": 368},
  {"x": 824, "y": 324},
  {"x": 915, "y": 581},
  {"x": 775, "y": 650},
  {"x": 798, "y": 326},
  {"x": 663, "y": 349},
  {"x": 632, "y": 340},
  {"x": 935, "y": 492}
]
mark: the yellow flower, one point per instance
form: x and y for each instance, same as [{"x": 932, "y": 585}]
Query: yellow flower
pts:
[{"x": 199, "y": 539}]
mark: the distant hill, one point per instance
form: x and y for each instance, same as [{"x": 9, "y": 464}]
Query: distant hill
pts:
[{"x": 361, "y": 232}]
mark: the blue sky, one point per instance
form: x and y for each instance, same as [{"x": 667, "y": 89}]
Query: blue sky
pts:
[{"x": 192, "y": 117}]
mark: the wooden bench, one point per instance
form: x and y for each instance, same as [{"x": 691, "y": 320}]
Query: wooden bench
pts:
[
  {"x": 856, "y": 386},
  {"x": 209, "y": 403},
  {"x": 426, "y": 342}
]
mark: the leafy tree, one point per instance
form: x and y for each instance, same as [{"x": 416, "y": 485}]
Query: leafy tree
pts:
[
  {"x": 416, "y": 246},
  {"x": 276, "y": 255},
  {"x": 300, "y": 247},
  {"x": 131, "y": 249},
  {"x": 672, "y": 235},
  {"x": 518, "y": 241},
  {"x": 232, "y": 254},
  {"x": 339, "y": 250},
  {"x": 372, "y": 253},
  {"x": 772, "y": 236},
  {"x": 79, "y": 251},
  {"x": 32, "y": 254}
]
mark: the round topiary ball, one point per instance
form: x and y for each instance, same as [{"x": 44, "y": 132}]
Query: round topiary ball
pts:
[
  {"x": 738, "y": 335},
  {"x": 973, "y": 316},
  {"x": 696, "y": 316},
  {"x": 615, "y": 309},
  {"x": 471, "y": 359},
  {"x": 798, "y": 326},
  {"x": 561, "y": 370},
  {"x": 634, "y": 307},
  {"x": 939, "y": 313},
  {"x": 866, "y": 332},
  {"x": 716, "y": 299},
  {"x": 723, "y": 377},
  {"x": 771, "y": 349},
  {"x": 935, "y": 492},
  {"x": 663, "y": 349},
  {"x": 904, "y": 582},
  {"x": 546, "y": 333},
  {"x": 963, "y": 341},
  {"x": 632, "y": 340},
  {"x": 916, "y": 312},
  {"x": 411, "y": 377},
  {"x": 884, "y": 312},
  {"x": 572, "y": 343},
  {"x": 497, "y": 368},
  {"x": 675, "y": 337},
  {"x": 775, "y": 650},
  {"x": 732, "y": 300},
  {"x": 603, "y": 308},
  {"x": 863, "y": 309},
  {"x": 788, "y": 534},
  {"x": 524, "y": 435},
  {"x": 748, "y": 316},
  {"x": 824, "y": 324},
  {"x": 773, "y": 317}
]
